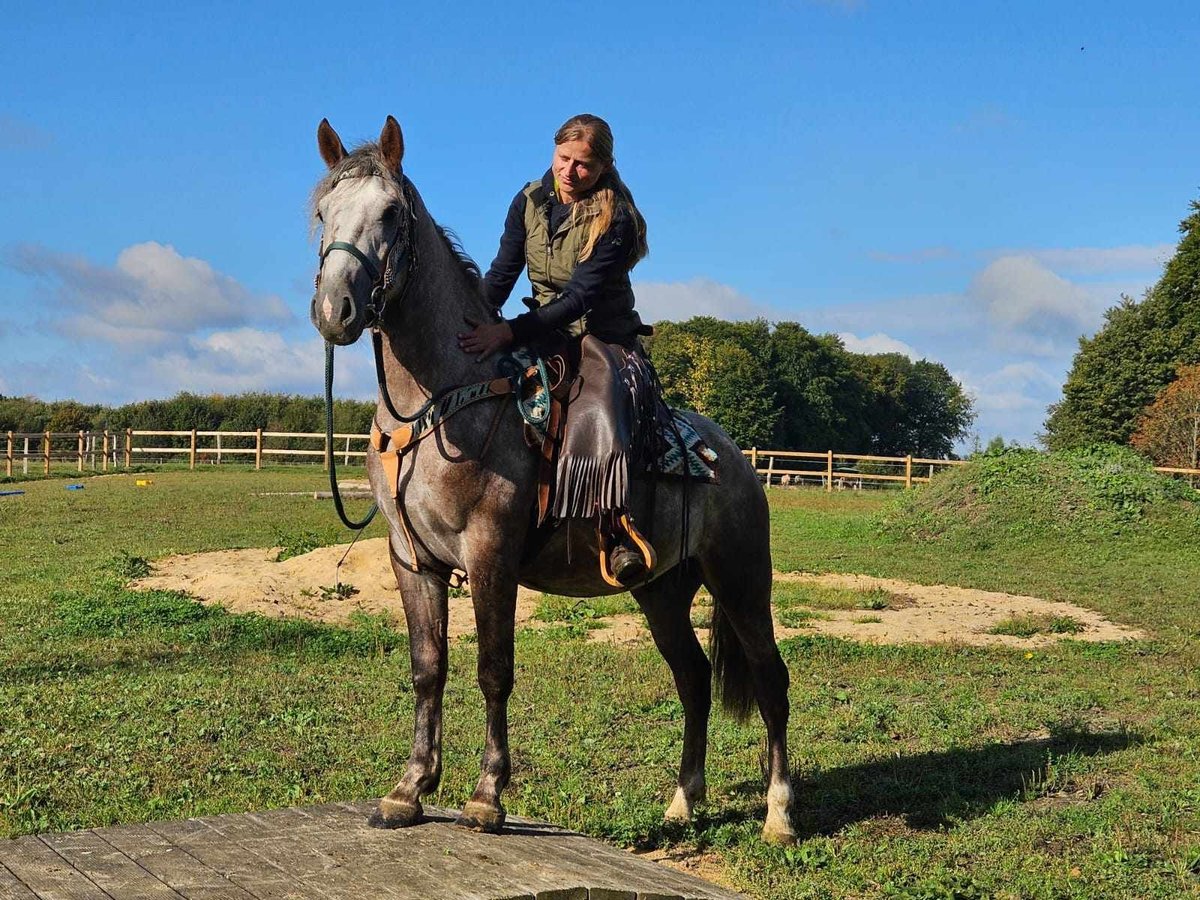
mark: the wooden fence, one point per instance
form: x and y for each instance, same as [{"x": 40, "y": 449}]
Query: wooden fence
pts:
[
  {"x": 843, "y": 470},
  {"x": 102, "y": 451}
]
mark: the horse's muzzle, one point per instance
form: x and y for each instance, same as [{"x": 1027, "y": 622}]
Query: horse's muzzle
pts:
[{"x": 337, "y": 317}]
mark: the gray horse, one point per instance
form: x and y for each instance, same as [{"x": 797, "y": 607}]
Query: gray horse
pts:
[{"x": 462, "y": 499}]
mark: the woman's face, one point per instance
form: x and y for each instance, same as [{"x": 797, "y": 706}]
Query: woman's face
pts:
[{"x": 575, "y": 169}]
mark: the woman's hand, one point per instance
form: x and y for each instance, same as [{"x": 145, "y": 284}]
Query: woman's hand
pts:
[{"x": 486, "y": 339}]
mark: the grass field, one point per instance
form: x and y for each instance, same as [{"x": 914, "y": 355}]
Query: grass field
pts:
[{"x": 921, "y": 771}]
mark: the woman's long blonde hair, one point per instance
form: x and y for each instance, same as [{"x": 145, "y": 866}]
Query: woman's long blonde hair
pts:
[{"x": 601, "y": 204}]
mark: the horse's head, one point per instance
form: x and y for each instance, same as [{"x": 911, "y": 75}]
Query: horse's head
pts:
[{"x": 366, "y": 220}]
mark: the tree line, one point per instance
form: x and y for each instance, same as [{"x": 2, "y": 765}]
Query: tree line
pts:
[
  {"x": 776, "y": 386},
  {"x": 1137, "y": 380}
]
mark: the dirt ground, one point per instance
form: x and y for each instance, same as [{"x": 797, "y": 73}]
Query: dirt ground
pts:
[{"x": 251, "y": 581}]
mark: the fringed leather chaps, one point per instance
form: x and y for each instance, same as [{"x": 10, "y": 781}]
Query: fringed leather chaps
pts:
[{"x": 610, "y": 411}]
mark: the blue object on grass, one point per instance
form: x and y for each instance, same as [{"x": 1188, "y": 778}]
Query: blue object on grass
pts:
[
  {"x": 10, "y": 493},
  {"x": 74, "y": 487}
]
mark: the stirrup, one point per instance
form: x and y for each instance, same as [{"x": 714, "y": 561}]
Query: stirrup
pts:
[{"x": 643, "y": 546}]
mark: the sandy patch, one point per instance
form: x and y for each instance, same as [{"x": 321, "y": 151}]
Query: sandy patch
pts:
[{"x": 251, "y": 581}]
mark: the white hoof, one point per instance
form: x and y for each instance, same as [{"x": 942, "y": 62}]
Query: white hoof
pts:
[{"x": 680, "y": 809}]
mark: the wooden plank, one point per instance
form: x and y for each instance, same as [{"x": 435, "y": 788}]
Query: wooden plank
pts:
[
  {"x": 300, "y": 846},
  {"x": 374, "y": 858},
  {"x": 170, "y": 864},
  {"x": 12, "y": 888},
  {"x": 45, "y": 873},
  {"x": 235, "y": 864},
  {"x": 108, "y": 867}
]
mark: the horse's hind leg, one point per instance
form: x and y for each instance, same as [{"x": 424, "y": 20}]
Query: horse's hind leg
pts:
[
  {"x": 494, "y": 595},
  {"x": 749, "y": 668},
  {"x": 667, "y": 604},
  {"x": 425, "y": 611}
]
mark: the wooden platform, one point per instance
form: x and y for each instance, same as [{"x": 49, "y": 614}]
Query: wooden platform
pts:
[{"x": 329, "y": 852}]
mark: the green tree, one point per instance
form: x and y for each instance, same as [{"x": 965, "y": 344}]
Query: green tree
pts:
[
  {"x": 1121, "y": 369},
  {"x": 816, "y": 387},
  {"x": 717, "y": 378},
  {"x": 909, "y": 407}
]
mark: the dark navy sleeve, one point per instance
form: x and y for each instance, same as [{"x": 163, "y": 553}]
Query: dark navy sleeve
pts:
[
  {"x": 510, "y": 258},
  {"x": 609, "y": 257}
]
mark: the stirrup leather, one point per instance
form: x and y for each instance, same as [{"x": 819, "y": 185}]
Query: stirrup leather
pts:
[{"x": 649, "y": 557}]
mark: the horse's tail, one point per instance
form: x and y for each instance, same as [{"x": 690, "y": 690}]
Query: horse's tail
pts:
[{"x": 731, "y": 667}]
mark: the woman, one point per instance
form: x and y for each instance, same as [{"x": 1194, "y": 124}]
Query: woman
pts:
[{"x": 579, "y": 233}]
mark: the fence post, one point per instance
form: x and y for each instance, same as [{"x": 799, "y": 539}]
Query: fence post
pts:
[
  {"x": 104, "y": 465},
  {"x": 754, "y": 458},
  {"x": 908, "y": 472},
  {"x": 327, "y": 456},
  {"x": 346, "y": 458},
  {"x": 829, "y": 471},
  {"x": 258, "y": 450},
  {"x": 770, "y": 469},
  {"x": 8, "y": 456},
  {"x": 46, "y": 449},
  {"x": 25, "y": 457},
  {"x": 79, "y": 452},
  {"x": 128, "y": 447},
  {"x": 192, "y": 453},
  {"x": 218, "y": 448}
]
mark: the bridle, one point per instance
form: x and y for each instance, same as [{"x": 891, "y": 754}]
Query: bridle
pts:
[{"x": 401, "y": 257}]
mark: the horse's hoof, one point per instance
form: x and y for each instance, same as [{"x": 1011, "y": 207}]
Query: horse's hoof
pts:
[
  {"x": 783, "y": 835},
  {"x": 395, "y": 814},
  {"x": 680, "y": 809},
  {"x": 481, "y": 817}
]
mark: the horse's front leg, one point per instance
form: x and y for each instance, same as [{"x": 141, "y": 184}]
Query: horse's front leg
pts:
[
  {"x": 425, "y": 611},
  {"x": 494, "y": 594}
]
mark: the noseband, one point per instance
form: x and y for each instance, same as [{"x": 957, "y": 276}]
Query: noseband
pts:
[{"x": 401, "y": 256}]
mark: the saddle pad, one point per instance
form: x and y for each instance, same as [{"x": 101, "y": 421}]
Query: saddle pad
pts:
[{"x": 700, "y": 459}]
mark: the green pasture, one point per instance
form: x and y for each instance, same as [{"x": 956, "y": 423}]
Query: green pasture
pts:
[{"x": 920, "y": 771}]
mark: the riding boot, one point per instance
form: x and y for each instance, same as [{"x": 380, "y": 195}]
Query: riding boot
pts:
[{"x": 628, "y": 566}]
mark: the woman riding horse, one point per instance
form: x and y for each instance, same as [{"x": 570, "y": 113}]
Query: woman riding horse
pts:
[{"x": 579, "y": 233}]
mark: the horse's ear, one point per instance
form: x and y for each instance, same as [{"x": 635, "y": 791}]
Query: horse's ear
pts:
[
  {"x": 391, "y": 142},
  {"x": 330, "y": 145}
]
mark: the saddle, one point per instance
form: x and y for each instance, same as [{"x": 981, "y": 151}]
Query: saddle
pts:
[{"x": 591, "y": 442}]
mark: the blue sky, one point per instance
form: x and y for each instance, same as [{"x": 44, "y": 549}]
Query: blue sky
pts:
[{"x": 973, "y": 183}]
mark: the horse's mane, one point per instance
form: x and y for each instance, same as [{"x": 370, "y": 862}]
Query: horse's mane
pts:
[{"x": 367, "y": 160}]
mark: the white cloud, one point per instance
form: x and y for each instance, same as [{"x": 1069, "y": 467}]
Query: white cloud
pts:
[
  {"x": 877, "y": 343},
  {"x": 150, "y": 296},
  {"x": 674, "y": 301},
  {"x": 1020, "y": 293},
  {"x": 1013, "y": 387},
  {"x": 244, "y": 359},
  {"x": 1085, "y": 261}
]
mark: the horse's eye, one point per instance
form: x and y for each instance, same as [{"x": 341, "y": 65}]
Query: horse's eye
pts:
[{"x": 390, "y": 213}]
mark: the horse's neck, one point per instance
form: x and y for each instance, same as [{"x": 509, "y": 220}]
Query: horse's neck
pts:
[{"x": 420, "y": 347}]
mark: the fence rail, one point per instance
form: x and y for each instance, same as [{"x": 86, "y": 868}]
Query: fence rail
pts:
[
  {"x": 101, "y": 451},
  {"x": 842, "y": 470}
]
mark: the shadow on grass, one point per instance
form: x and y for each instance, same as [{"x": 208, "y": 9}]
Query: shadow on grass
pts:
[{"x": 933, "y": 790}]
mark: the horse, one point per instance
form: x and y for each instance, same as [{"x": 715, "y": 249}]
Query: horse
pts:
[{"x": 461, "y": 499}]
